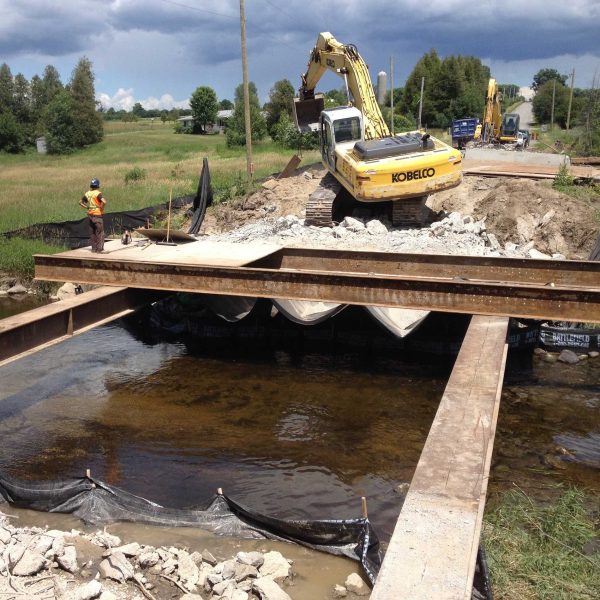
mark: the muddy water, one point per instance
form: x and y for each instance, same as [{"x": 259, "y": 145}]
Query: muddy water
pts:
[{"x": 292, "y": 435}]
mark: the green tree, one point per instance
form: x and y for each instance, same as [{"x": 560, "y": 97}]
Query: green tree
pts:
[
  {"x": 281, "y": 100},
  {"x": 236, "y": 126},
  {"x": 22, "y": 99},
  {"x": 454, "y": 88},
  {"x": 138, "y": 110},
  {"x": 87, "y": 121},
  {"x": 545, "y": 75},
  {"x": 335, "y": 98},
  {"x": 225, "y": 104},
  {"x": 204, "y": 105},
  {"x": 62, "y": 131},
  {"x": 52, "y": 83},
  {"x": 11, "y": 133},
  {"x": 542, "y": 103},
  {"x": 427, "y": 66},
  {"x": 6, "y": 88}
]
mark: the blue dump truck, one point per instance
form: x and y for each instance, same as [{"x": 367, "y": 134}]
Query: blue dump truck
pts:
[{"x": 463, "y": 131}]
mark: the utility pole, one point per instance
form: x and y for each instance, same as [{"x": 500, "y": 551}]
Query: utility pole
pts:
[
  {"x": 392, "y": 90},
  {"x": 249, "y": 164},
  {"x": 421, "y": 103},
  {"x": 552, "y": 110},
  {"x": 570, "y": 98}
]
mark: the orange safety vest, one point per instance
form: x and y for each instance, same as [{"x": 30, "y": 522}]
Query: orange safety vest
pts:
[{"x": 95, "y": 207}]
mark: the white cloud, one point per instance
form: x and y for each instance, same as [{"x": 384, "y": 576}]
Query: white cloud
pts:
[{"x": 124, "y": 99}]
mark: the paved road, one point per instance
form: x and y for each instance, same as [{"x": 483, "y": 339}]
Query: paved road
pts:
[{"x": 525, "y": 111}]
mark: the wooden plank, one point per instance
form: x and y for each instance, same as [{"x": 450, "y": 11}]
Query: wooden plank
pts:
[
  {"x": 433, "y": 548},
  {"x": 290, "y": 167},
  {"x": 198, "y": 252}
]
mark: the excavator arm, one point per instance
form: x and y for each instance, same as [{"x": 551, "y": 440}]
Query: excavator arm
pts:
[
  {"x": 492, "y": 117},
  {"x": 344, "y": 60}
]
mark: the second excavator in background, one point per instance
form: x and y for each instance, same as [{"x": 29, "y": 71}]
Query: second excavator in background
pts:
[{"x": 366, "y": 163}]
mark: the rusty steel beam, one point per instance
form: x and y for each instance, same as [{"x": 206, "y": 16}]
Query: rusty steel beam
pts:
[
  {"x": 476, "y": 268},
  {"x": 535, "y": 301},
  {"x": 41, "y": 327}
]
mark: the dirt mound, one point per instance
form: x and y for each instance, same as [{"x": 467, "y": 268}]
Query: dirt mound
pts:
[
  {"x": 522, "y": 211},
  {"x": 275, "y": 198},
  {"x": 516, "y": 210}
]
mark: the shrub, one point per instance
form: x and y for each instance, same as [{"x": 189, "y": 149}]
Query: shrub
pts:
[
  {"x": 563, "y": 178},
  {"x": 135, "y": 174}
]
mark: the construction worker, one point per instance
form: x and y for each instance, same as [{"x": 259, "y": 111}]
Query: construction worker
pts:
[{"x": 94, "y": 202}]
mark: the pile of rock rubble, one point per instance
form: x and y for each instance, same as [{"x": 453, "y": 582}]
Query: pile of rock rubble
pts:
[
  {"x": 51, "y": 564},
  {"x": 453, "y": 234}
]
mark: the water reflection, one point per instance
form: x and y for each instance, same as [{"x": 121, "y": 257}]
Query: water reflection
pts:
[{"x": 299, "y": 435}]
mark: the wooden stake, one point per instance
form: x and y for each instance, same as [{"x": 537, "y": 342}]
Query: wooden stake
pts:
[
  {"x": 365, "y": 512},
  {"x": 220, "y": 491},
  {"x": 169, "y": 214},
  {"x": 88, "y": 473}
]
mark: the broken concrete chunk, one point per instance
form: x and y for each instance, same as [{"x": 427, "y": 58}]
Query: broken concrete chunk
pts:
[
  {"x": 276, "y": 567},
  {"x": 188, "y": 571},
  {"x": 569, "y": 357},
  {"x": 355, "y": 583},
  {"x": 29, "y": 564},
  {"x": 375, "y": 227},
  {"x": 352, "y": 224},
  {"x": 339, "y": 591},
  {"x": 269, "y": 590},
  {"x": 132, "y": 549},
  {"x": 148, "y": 559},
  {"x": 91, "y": 590},
  {"x": 256, "y": 559},
  {"x": 244, "y": 572},
  {"x": 68, "y": 560},
  {"x": 270, "y": 184},
  {"x": 116, "y": 567}
]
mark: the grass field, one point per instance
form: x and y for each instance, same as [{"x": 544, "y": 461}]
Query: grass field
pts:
[{"x": 36, "y": 188}]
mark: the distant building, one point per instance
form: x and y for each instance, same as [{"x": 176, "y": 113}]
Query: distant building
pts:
[
  {"x": 381, "y": 86},
  {"x": 527, "y": 93},
  {"x": 187, "y": 123}
]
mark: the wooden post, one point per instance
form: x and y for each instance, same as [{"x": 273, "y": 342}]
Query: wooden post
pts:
[
  {"x": 220, "y": 491},
  {"x": 421, "y": 103},
  {"x": 392, "y": 92},
  {"x": 249, "y": 164},
  {"x": 570, "y": 99},
  {"x": 552, "y": 110},
  {"x": 363, "y": 505}
]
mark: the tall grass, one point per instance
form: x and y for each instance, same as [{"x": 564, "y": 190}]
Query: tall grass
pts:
[
  {"x": 36, "y": 189},
  {"x": 543, "y": 552},
  {"x": 16, "y": 255}
]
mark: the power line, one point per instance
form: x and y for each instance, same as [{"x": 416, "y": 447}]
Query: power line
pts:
[{"x": 202, "y": 10}]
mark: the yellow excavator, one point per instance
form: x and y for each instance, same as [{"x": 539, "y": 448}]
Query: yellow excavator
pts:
[
  {"x": 496, "y": 127},
  {"x": 365, "y": 161},
  {"x": 492, "y": 116}
]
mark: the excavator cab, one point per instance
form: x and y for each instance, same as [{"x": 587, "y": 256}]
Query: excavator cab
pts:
[{"x": 307, "y": 113}]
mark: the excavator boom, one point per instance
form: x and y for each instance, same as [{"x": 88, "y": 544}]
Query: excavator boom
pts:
[{"x": 343, "y": 59}]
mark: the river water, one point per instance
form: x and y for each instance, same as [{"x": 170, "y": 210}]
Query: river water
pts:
[{"x": 296, "y": 435}]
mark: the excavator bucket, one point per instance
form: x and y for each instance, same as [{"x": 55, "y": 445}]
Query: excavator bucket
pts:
[{"x": 308, "y": 112}]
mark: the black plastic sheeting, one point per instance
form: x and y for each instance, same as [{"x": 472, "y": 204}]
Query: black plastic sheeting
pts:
[
  {"x": 75, "y": 234},
  {"x": 202, "y": 200},
  {"x": 97, "y": 502}
]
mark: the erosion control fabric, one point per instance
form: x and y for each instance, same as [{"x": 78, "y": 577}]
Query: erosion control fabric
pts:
[{"x": 96, "y": 502}]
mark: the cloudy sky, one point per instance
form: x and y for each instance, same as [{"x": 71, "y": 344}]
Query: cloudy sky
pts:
[{"x": 158, "y": 51}]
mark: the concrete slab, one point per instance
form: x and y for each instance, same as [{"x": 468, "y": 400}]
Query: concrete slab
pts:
[{"x": 492, "y": 155}]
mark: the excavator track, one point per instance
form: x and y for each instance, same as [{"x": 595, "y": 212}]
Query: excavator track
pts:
[
  {"x": 409, "y": 212},
  {"x": 319, "y": 208}
]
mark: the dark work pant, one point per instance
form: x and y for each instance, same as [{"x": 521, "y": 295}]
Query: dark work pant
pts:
[{"x": 96, "y": 224}]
